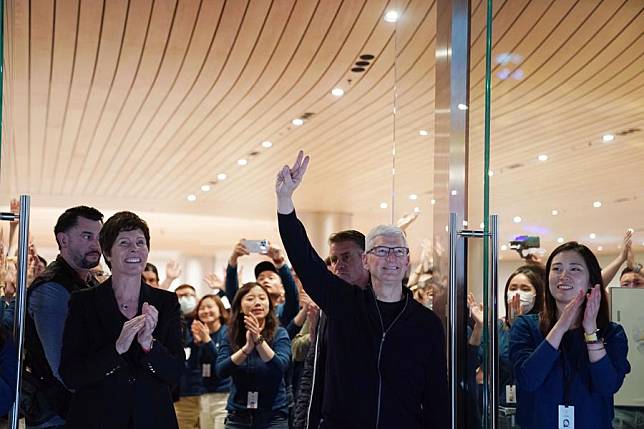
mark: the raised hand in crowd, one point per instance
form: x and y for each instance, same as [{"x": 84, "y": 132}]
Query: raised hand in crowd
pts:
[
  {"x": 312, "y": 317},
  {"x": 151, "y": 317},
  {"x": 288, "y": 179},
  {"x": 610, "y": 270},
  {"x": 213, "y": 281},
  {"x": 476, "y": 311},
  {"x": 406, "y": 220},
  {"x": 238, "y": 251},
  {"x": 515, "y": 309},
  {"x": 276, "y": 254},
  {"x": 172, "y": 272}
]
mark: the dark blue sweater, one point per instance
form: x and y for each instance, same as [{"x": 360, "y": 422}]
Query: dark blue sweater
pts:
[
  {"x": 253, "y": 375},
  {"x": 372, "y": 379},
  {"x": 8, "y": 374},
  {"x": 193, "y": 382},
  {"x": 541, "y": 372}
]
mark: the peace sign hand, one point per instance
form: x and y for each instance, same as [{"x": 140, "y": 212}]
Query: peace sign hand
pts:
[{"x": 289, "y": 178}]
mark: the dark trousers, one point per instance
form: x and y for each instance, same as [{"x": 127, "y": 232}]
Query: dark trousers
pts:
[{"x": 256, "y": 420}]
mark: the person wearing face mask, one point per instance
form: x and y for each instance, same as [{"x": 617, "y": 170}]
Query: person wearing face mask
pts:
[
  {"x": 256, "y": 354},
  {"x": 187, "y": 296},
  {"x": 569, "y": 360},
  {"x": 203, "y": 394}
]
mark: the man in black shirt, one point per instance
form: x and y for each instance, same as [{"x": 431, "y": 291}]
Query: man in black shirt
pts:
[{"x": 386, "y": 356}]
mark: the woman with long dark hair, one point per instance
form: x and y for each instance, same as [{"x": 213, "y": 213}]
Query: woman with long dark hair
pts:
[
  {"x": 570, "y": 359},
  {"x": 256, "y": 354}
]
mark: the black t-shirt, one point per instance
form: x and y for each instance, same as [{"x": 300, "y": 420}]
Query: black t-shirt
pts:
[{"x": 389, "y": 311}]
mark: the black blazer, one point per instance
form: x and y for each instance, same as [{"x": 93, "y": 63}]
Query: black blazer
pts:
[{"x": 112, "y": 391}]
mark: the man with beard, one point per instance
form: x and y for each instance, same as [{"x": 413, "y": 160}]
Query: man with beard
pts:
[{"x": 76, "y": 233}]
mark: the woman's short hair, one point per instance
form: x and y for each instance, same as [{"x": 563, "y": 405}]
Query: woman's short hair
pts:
[
  {"x": 223, "y": 313},
  {"x": 117, "y": 223},
  {"x": 548, "y": 316},
  {"x": 383, "y": 230}
]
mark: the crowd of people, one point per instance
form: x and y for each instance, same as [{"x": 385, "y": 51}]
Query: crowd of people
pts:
[{"x": 345, "y": 340}]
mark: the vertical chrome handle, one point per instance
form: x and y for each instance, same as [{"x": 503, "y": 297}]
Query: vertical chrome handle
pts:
[
  {"x": 493, "y": 381},
  {"x": 453, "y": 323},
  {"x": 21, "y": 300}
]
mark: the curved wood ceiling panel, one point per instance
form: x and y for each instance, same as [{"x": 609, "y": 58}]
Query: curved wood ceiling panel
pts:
[{"x": 138, "y": 103}]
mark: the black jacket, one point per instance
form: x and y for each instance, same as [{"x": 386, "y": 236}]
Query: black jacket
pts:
[
  {"x": 53, "y": 397},
  {"x": 308, "y": 403},
  {"x": 129, "y": 391},
  {"x": 396, "y": 378}
]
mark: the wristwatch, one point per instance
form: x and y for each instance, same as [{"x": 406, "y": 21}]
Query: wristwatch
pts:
[
  {"x": 259, "y": 340},
  {"x": 592, "y": 337}
]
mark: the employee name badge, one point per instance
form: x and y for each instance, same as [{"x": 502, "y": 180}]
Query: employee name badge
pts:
[
  {"x": 566, "y": 417},
  {"x": 252, "y": 400},
  {"x": 511, "y": 394},
  {"x": 205, "y": 370}
]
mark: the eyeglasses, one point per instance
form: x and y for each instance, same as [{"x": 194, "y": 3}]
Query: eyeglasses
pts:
[{"x": 384, "y": 251}]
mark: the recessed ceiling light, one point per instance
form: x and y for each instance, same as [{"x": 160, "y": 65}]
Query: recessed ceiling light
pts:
[
  {"x": 454, "y": 192},
  {"x": 297, "y": 122},
  {"x": 242, "y": 162},
  {"x": 560, "y": 240},
  {"x": 391, "y": 16},
  {"x": 606, "y": 138},
  {"x": 413, "y": 196},
  {"x": 482, "y": 225},
  {"x": 423, "y": 132},
  {"x": 464, "y": 222},
  {"x": 433, "y": 201},
  {"x": 504, "y": 247},
  {"x": 266, "y": 144},
  {"x": 462, "y": 106},
  {"x": 600, "y": 248},
  {"x": 542, "y": 157},
  {"x": 221, "y": 176},
  {"x": 384, "y": 205},
  {"x": 597, "y": 204},
  {"x": 205, "y": 188},
  {"x": 191, "y": 198},
  {"x": 416, "y": 209},
  {"x": 592, "y": 236},
  {"x": 490, "y": 173},
  {"x": 555, "y": 212},
  {"x": 517, "y": 219},
  {"x": 337, "y": 92}
]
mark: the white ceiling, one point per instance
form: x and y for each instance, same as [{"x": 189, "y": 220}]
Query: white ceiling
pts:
[{"x": 136, "y": 104}]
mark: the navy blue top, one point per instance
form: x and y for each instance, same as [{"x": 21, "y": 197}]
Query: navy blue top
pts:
[
  {"x": 253, "y": 375},
  {"x": 8, "y": 374},
  {"x": 542, "y": 372},
  {"x": 284, "y": 312},
  {"x": 193, "y": 382}
]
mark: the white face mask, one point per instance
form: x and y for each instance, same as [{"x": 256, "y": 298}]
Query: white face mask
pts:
[
  {"x": 527, "y": 299},
  {"x": 187, "y": 303}
]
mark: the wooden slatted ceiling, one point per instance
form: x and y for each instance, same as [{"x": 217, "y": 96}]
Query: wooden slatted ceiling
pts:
[{"x": 135, "y": 104}]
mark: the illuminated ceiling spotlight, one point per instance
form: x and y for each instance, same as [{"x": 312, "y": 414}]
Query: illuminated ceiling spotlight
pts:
[
  {"x": 298, "y": 122},
  {"x": 205, "y": 188},
  {"x": 504, "y": 247},
  {"x": 192, "y": 198},
  {"x": 517, "y": 219},
  {"x": 384, "y": 205},
  {"x": 242, "y": 162},
  {"x": 560, "y": 240},
  {"x": 555, "y": 212},
  {"x": 266, "y": 144},
  {"x": 413, "y": 196},
  {"x": 337, "y": 92},
  {"x": 432, "y": 201},
  {"x": 607, "y": 138},
  {"x": 600, "y": 248},
  {"x": 490, "y": 173},
  {"x": 423, "y": 133},
  {"x": 222, "y": 176},
  {"x": 462, "y": 106},
  {"x": 597, "y": 204},
  {"x": 416, "y": 209},
  {"x": 592, "y": 235},
  {"x": 542, "y": 157},
  {"x": 392, "y": 16}
]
